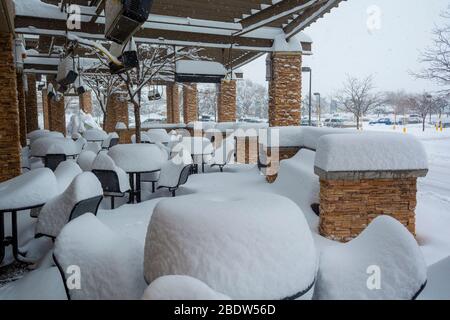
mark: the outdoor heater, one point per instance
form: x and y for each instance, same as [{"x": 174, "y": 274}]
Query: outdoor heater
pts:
[
  {"x": 124, "y": 17},
  {"x": 199, "y": 71},
  {"x": 66, "y": 72},
  {"x": 127, "y": 55}
]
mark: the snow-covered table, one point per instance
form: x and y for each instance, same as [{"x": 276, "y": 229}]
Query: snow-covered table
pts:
[
  {"x": 136, "y": 159},
  {"x": 30, "y": 190},
  {"x": 54, "y": 145},
  {"x": 95, "y": 135}
]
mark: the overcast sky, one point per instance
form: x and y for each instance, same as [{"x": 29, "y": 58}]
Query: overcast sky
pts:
[{"x": 344, "y": 45}]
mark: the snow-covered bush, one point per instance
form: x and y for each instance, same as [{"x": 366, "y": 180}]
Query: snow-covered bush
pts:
[
  {"x": 383, "y": 262},
  {"x": 246, "y": 246}
]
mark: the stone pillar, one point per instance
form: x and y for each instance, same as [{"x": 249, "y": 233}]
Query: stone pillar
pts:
[
  {"x": 45, "y": 111},
  {"x": 32, "y": 107},
  {"x": 22, "y": 110},
  {"x": 285, "y": 89},
  {"x": 9, "y": 111},
  {"x": 116, "y": 111},
  {"x": 348, "y": 205},
  {"x": 86, "y": 102},
  {"x": 57, "y": 115},
  {"x": 173, "y": 105},
  {"x": 190, "y": 108},
  {"x": 226, "y": 101}
]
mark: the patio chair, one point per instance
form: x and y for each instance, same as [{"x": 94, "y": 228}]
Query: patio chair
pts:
[
  {"x": 86, "y": 159},
  {"x": 52, "y": 161},
  {"x": 114, "y": 180},
  {"x": 223, "y": 155},
  {"x": 172, "y": 185},
  {"x": 112, "y": 140},
  {"x": 83, "y": 195}
]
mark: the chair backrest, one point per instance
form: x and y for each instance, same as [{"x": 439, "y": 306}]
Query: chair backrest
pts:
[
  {"x": 109, "y": 180},
  {"x": 184, "y": 175},
  {"x": 52, "y": 161},
  {"x": 113, "y": 142},
  {"x": 86, "y": 206}
]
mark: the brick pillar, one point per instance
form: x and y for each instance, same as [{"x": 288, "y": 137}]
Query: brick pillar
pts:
[
  {"x": 226, "y": 102},
  {"x": 86, "y": 102},
  {"x": 116, "y": 111},
  {"x": 173, "y": 104},
  {"x": 285, "y": 89},
  {"x": 32, "y": 107},
  {"x": 57, "y": 115},
  {"x": 190, "y": 112},
  {"x": 45, "y": 111},
  {"x": 9, "y": 111},
  {"x": 22, "y": 111}
]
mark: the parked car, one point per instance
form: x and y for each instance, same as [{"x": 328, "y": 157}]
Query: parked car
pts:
[
  {"x": 385, "y": 121},
  {"x": 335, "y": 123}
]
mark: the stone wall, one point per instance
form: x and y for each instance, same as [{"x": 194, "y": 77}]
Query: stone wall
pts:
[
  {"x": 116, "y": 111},
  {"x": 226, "y": 101},
  {"x": 173, "y": 104},
  {"x": 190, "y": 108},
  {"x": 31, "y": 104},
  {"x": 348, "y": 206},
  {"x": 86, "y": 102},
  {"x": 9, "y": 112},
  {"x": 285, "y": 89},
  {"x": 22, "y": 110},
  {"x": 45, "y": 111}
]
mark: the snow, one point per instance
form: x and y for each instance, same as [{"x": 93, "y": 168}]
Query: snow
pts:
[
  {"x": 181, "y": 288},
  {"x": 438, "y": 286},
  {"x": 37, "y": 134},
  {"x": 144, "y": 138},
  {"x": 200, "y": 67},
  {"x": 110, "y": 264},
  {"x": 121, "y": 126},
  {"x": 225, "y": 152},
  {"x": 245, "y": 245},
  {"x": 195, "y": 145},
  {"x": 65, "y": 173},
  {"x": 56, "y": 212},
  {"x": 41, "y": 284},
  {"x": 105, "y": 162},
  {"x": 370, "y": 152},
  {"x": 85, "y": 160},
  {"x": 54, "y": 145},
  {"x": 92, "y": 147},
  {"x": 137, "y": 157},
  {"x": 158, "y": 135},
  {"x": 107, "y": 141},
  {"x": 44, "y": 134},
  {"x": 95, "y": 135},
  {"x": 281, "y": 45},
  {"x": 385, "y": 244},
  {"x": 29, "y": 189}
]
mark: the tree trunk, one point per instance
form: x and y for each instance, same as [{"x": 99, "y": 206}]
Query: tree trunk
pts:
[
  {"x": 137, "y": 119},
  {"x": 423, "y": 123},
  {"x": 357, "y": 123}
]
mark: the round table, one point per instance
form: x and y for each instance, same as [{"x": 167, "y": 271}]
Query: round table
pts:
[
  {"x": 137, "y": 159},
  {"x": 51, "y": 145}
]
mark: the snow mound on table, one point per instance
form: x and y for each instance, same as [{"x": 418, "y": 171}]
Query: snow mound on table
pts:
[
  {"x": 51, "y": 145},
  {"x": 40, "y": 284},
  {"x": 44, "y": 134},
  {"x": 105, "y": 162},
  {"x": 181, "y": 288},
  {"x": 110, "y": 264},
  {"x": 92, "y": 146},
  {"x": 86, "y": 159},
  {"x": 95, "y": 135},
  {"x": 37, "y": 134},
  {"x": 137, "y": 157},
  {"x": 29, "y": 189},
  {"x": 370, "y": 152},
  {"x": 144, "y": 138},
  {"x": 385, "y": 245},
  {"x": 65, "y": 173},
  {"x": 56, "y": 213},
  {"x": 158, "y": 135},
  {"x": 247, "y": 246}
]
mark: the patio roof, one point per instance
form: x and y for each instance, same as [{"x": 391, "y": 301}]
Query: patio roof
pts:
[{"x": 233, "y": 32}]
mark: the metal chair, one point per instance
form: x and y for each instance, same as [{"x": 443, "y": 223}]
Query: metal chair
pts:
[
  {"x": 184, "y": 175},
  {"x": 113, "y": 142},
  {"x": 110, "y": 184},
  {"x": 52, "y": 161},
  {"x": 86, "y": 206}
]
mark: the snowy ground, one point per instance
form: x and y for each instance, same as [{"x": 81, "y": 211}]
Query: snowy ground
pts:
[{"x": 433, "y": 211}]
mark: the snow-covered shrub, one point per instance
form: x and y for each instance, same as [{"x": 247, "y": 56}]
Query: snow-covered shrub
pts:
[
  {"x": 56, "y": 212},
  {"x": 110, "y": 264},
  {"x": 246, "y": 246},
  {"x": 383, "y": 262},
  {"x": 181, "y": 288}
]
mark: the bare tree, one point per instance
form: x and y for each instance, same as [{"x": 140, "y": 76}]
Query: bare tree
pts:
[
  {"x": 103, "y": 85},
  {"x": 422, "y": 105},
  {"x": 437, "y": 57},
  {"x": 357, "y": 97}
]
